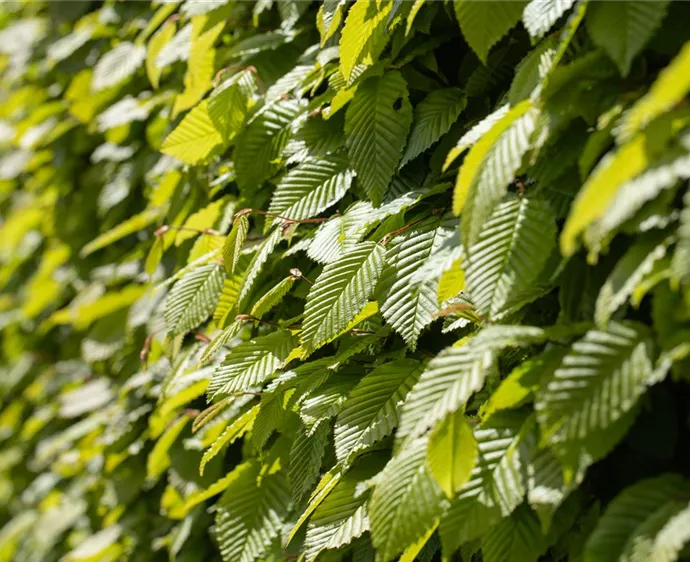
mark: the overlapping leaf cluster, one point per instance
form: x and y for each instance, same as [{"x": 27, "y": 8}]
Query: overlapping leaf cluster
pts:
[{"x": 365, "y": 280}]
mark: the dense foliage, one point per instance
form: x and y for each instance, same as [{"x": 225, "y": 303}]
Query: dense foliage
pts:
[{"x": 348, "y": 280}]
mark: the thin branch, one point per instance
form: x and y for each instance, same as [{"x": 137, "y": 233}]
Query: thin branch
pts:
[{"x": 166, "y": 227}]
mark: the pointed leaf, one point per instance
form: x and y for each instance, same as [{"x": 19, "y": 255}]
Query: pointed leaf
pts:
[
  {"x": 433, "y": 118},
  {"x": 260, "y": 144},
  {"x": 510, "y": 253},
  {"x": 340, "y": 293},
  {"x": 623, "y": 28},
  {"x": 250, "y": 364},
  {"x": 452, "y": 453},
  {"x": 376, "y": 126},
  {"x": 370, "y": 412},
  {"x": 600, "y": 379},
  {"x": 311, "y": 188},
  {"x": 250, "y": 513},
  {"x": 195, "y": 138},
  {"x": 406, "y": 502},
  {"x": 193, "y": 298},
  {"x": 483, "y": 24}
]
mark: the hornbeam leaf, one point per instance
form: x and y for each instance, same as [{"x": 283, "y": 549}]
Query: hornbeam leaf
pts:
[
  {"x": 496, "y": 485},
  {"x": 670, "y": 87},
  {"x": 340, "y": 293},
  {"x": 452, "y": 453},
  {"x": 623, "y": 28},
  {"x": 490, "y": 166},
  {"x": 259, "y": 145},
  {"x": 116, "y": 65},
  {"x": 234, "y": 431},
  {"x": 256, "y": 265},
  {"x": 273, "y": 297},
  {"x": 406, "y": 502},
  {"x": 517, "y": 537},
  {"x": 646, "y": 521},
  {"x": 234, "y": 242},
  {"x": 195, "y": 138},
  {"x": 157, "y": 42},
  {"x": 433, "y": 118},
  {"x": 376, "y": 126},
  {"x": 483, "y": 24},
  {"x": 312, "y": 187},
  {"x": 513, "y": 246},
  {"x": 342, "y": 516},
  {"x": 193, "y": 298},
  {"x": 306, "y": 455},
  {"x": 364, "y": 35},
  {"x": 599, "y": 381},
  {"x": 407, "y": 307},
  {"x": 629, "y": 272},
  {"x": 681, "y": 257},
  {"x": 540, "y": 15},
  {"x": 455, "y": 374},
  {"x": 251, "y": 512},
  {"x": 371, "y": 410},
  {"x": 249, "y": 364}
]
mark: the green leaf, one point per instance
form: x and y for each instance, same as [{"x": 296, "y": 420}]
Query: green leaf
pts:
[
  {"x": 376, "y": 126},
  {"x": 117, "y": 65},
  {"x": 406, "y": 502},
  {"x": 633, "y": 195},
  {"x": 633, "y": 267},
  {"x": 490, "y": 166},
  {"x": 407, "y": 307},
  {"x": 259, "y": 146},
  {"x": 623, "y": 28},
  {"x": 311, "y": 188},
  {"x": 251, "y": 363},
  {"x": 433, "y": 118},
  {"x": 227, "y": 303},
  {"x": 532, "y": 71},
  {"x": 230, "y": 434},
  {"x": 157, "y": 42},
  {"x": 364, "y": 35},
  {"x": 195, "y": 138},
  {"x": 599, "y": 381},
  {"x": 232, "y": 248},
  {"x": 256, "y": 265},
  {"x": 158, "y": 460},
  {"x": 452, "y": 453},
  {"x": 599, "y": 191},
  {"x": 472, "y": 136},
  {"x": 340, "y": 293},
  {"x": 129, "y": 226},
  {"x": 250, "y": 513},
  {"x": 342, "y": 516},
  {"x": 273, "y": 297},
  {"x": 455, "y": 374},
  {"x": 306, "y": 456},
  {"x": 370, "y": 412},
  {"x": 670, "y": 87},
  {"x": 646, "y": 521},
  {"x": 329, "y": 18},
  {"x": 517, "y": 537},
  {"x": 230, "y": 102},
  {"x": 540, "y": 15},
  {"x": 340, "y": 234},
  {"x": 496, "y": 486},
  {"x": 483, "y": 24},
  {"x": 193, "y": 298},
  {"x": 513, "y": 246},
  {"x": 523, "y": 381}
]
